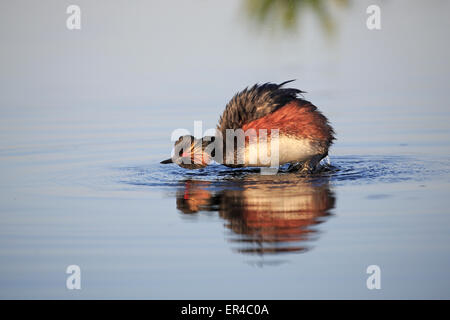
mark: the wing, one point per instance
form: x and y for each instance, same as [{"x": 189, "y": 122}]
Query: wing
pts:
[{"x": 256, "y": 102}]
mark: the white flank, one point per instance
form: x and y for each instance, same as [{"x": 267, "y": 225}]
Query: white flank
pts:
[{"x": 291, "y": 150}]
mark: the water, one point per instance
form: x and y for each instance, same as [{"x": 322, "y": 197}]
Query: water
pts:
[
  {"x": 139, "y": 229},
  {"x": 81, "y": 183}
]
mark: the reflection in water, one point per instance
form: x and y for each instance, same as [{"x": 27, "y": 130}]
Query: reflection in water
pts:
[{"x": 266, "y": 214}]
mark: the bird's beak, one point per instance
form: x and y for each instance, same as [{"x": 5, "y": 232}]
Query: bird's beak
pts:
[{"x": 167, "y": 161}]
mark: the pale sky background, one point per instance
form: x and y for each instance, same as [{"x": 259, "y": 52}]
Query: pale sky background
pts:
[
  {"x": 86, "y": 116},
  {"x": 194, "y": 55}
]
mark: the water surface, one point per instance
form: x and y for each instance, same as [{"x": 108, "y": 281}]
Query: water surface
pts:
[{"x": 85, "y": 118}]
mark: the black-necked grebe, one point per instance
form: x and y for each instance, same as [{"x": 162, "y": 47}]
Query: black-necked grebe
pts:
[{"x": 304, "y": 134}]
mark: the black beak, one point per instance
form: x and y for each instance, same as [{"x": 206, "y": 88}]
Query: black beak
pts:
[{"x": 167, "y": 161}]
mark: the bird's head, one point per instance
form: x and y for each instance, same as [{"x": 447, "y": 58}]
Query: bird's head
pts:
[{"x": 189, "y": 153}]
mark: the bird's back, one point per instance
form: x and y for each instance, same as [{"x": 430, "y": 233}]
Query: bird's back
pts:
[{"x": 254, "y": 103}]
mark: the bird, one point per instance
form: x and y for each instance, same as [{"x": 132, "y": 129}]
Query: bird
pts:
[{"x": 263, "y": 113}]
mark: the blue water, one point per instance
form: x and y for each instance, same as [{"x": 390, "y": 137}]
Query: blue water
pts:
[
  {"x": 146, "y": 230},
  {"x": 86, "y": 117}
]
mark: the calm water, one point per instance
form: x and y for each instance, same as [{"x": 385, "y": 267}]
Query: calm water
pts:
[
  {"x": 85, "y": 120},
  {"x": 73, "y": 194}
]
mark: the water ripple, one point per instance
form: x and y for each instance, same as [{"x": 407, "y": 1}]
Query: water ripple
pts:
[{"x": 343, "y": 170}]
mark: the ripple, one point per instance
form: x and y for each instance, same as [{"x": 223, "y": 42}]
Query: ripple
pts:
[
  {"x": 342, "y": 170},
  {"x": 272, "y": 215}
]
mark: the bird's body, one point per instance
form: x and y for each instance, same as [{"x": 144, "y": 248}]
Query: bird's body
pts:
[{"x": 304, "y": 134}]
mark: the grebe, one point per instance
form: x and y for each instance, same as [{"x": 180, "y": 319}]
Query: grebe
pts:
[{"x": 304, "y": 133}]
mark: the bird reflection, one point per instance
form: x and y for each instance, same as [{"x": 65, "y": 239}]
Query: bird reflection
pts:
[{"x": 264, "y": 214}]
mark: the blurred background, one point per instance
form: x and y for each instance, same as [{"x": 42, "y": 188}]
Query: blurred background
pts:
[
  {"x": 86, "y": 115},
  {"x": 190, "y": 57}
]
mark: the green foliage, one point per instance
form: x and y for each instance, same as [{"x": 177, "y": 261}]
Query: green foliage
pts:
[{"x": 287, "y": 13}]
